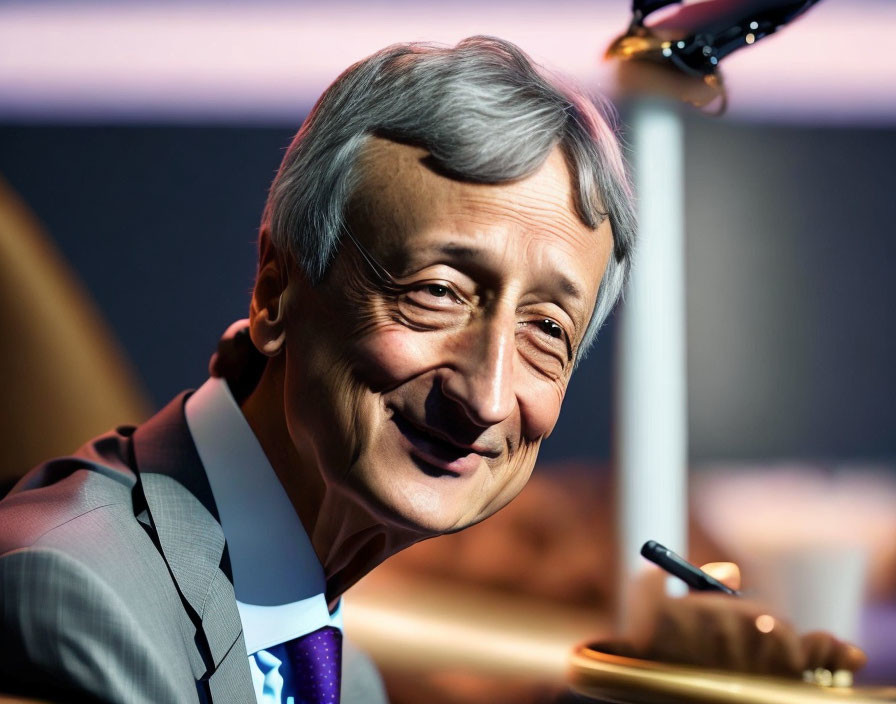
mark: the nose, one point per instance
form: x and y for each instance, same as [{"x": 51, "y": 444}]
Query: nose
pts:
[{"x": 480, "y": 379}]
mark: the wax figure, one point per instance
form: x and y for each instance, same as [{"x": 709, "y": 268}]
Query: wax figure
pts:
[{"x": 443, "y": 240}]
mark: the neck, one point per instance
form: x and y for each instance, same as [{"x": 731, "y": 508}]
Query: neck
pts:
[{"x": 349, "y": 538}]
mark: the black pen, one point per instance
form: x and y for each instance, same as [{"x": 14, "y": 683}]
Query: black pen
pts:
[{"x": 676, "y": 565}]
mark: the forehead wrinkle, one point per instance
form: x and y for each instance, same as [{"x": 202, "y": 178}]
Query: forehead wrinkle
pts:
[
  {"x": 530, "y": 190},
  {"x": 519, "y": 223}
]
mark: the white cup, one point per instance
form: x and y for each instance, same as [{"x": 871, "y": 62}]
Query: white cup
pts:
[{"x": 815, "y": 587}]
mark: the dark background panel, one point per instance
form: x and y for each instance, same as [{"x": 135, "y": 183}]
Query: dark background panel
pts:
[
  {"x": 791, "y": 255},
  {"x": 160, "y": 223}
]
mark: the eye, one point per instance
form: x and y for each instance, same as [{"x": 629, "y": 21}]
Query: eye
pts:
[
  {"x": 433, "y": 294},
  {"x": 432, "y": 305},
  {"x": 546, "y": 344},
  {"x": 551, "y": 328}
]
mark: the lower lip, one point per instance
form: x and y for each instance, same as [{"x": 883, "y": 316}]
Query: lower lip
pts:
[
  {"x": 462, "y": 466},
  {"x": 418, "y": 445}
]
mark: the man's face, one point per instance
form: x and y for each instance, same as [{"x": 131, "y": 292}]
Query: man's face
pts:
[{"x": 428, "y": 395}]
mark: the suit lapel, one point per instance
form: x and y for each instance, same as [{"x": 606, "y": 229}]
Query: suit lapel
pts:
[{"x": 182, "y": 513}]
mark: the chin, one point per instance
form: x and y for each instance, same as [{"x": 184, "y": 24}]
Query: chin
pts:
[
  {"x": 425, "y": 504},
  {"x": 411, "y": 496}
]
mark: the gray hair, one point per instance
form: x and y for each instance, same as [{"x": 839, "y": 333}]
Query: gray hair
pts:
[{"x": 485, "y": 113}]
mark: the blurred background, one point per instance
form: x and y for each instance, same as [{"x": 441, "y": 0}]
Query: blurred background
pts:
[{"x": 137, "y": 142}]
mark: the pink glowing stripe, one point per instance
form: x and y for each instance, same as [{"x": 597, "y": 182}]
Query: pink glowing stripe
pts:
[{"x": 268, "y": 61}]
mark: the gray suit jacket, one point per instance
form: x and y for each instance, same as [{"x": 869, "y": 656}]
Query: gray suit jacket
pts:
[{"x": 115, "y": 582}]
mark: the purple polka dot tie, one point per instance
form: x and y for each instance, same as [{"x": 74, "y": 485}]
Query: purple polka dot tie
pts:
[{"x": 315, "y": 661}]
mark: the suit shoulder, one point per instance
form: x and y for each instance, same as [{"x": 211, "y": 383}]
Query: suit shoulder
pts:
[{"x": 61, "y": 489}]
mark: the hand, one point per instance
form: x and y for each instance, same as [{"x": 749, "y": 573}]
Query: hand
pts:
[
  {"x": 723, "y": 632},
  {"x": 237, "y": 360}
]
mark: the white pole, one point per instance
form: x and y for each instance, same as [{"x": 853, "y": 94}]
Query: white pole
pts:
[{"x": 651, "y": 392}]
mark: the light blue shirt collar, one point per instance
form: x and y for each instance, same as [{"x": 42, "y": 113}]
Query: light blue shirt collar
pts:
[{"x": 278, "y": 580}]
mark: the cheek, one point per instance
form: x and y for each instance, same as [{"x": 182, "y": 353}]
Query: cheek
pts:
[
  {"x": 517, "y": 476},
  {"x": 540, "y": 402},
  {"x": 390, "y": 355}
]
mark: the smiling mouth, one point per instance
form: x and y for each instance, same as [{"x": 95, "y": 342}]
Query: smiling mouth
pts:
[{"x": 434, "y": 455}]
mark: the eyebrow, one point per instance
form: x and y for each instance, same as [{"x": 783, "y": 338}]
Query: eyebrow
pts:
[
  {"x": 458, "y": 250},
  {"x": 569, "y": 288}
]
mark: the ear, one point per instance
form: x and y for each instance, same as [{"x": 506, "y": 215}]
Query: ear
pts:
[{"x": 267, "y": 310}]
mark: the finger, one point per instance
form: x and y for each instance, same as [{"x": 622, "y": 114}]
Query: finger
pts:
[
  {"x": 723, "y": 637},
  {"x": 780, "y": 649},
  {"x": 701, "y": 629},
  {"x": 849, "y": 657},
  {"x": 821, "y": 649},
  {"x": 235, "y": 327},
  {"x": 818, "y": 649},
  {"x": 676, "y": 635},
  {"x": 748, "y": 639},
  {"x": 728, "y": 573},
  {"x": 738, "y": 634},
  {"x": 228, "y": 354},
  {"x": 214, "y": 365}
]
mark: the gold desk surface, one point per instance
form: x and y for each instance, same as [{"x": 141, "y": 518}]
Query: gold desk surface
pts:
[{"x": 623, "y": 680}]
